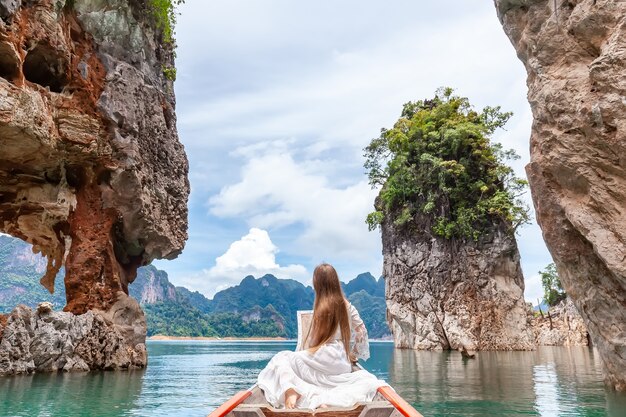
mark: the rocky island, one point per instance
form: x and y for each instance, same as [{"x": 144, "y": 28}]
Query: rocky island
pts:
[
  {"x": 574, "y": 54},
  {"x": 447, "y": 212},
  {"x": 92, "y": 173}
]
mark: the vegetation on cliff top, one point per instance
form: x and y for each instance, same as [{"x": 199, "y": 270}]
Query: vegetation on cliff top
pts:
[{"x": 437, "y": 162}]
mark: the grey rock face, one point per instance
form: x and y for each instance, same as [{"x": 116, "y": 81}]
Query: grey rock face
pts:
[
  {"x": 563, "y": 327},
  {"x": 143, "y": 135},
  {"x": 445, "y": 294},
  {"x": 575, "y": 58},
  {"x": 8, "y": 8},
  {"x": 48, "y": 341}
]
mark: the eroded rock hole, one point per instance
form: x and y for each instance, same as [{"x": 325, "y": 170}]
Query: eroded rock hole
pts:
[
  {"x": 104, "y": 177},
  {"x": 45, "y": 67},
  {"x": 74, "y": 175},
  {"x": 9, "y": 62}
]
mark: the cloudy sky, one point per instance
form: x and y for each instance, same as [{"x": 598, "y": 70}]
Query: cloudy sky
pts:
[{"x": 276, "y": 100}]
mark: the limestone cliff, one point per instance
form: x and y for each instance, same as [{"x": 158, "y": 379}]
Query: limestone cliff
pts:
[
  {"x": 445, "y": 294},
  {"x": 91, "y": 169},
  {"x": 152, "y": 286},
  {"x": 575, "y": 56},
  {"x": 447, "y": 208}
]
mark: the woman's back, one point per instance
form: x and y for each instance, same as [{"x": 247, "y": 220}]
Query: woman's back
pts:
[
  {"x": 359, "y": 343},
  {"x": 330, "y": 311},
  {"x": 321, "y": 374}
]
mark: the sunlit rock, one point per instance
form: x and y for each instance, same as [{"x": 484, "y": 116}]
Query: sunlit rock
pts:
[
  {"x": 561, "y": 326},
  {"x": 449, "y": 294}
]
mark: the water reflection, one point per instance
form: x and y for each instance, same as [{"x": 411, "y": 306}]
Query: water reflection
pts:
[
  {"x": 70, "y": 394},
  {"x": 192, "y": 378},
  {"x": 547, "y": 382},
  {"x": 443, "y": 383},
  {"x": 547, "y": 401}
]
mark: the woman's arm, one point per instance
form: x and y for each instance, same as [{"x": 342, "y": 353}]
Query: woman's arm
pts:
[{"x": 361, "y": 347}]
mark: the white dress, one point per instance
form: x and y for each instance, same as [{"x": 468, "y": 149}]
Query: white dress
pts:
[{"x": 323, "y": 377}]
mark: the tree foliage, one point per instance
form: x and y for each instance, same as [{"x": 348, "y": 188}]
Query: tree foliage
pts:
[
  {"x": 438, "y": 162},
  {"x": 233, "y": 325},
  {"x": 173, "y": 319},
  {"x": 553, "y": 292},
  {"x": 180, "y": 319}
]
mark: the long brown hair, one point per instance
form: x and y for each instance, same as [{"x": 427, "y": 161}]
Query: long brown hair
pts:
[{"x": 329, "y": 310}]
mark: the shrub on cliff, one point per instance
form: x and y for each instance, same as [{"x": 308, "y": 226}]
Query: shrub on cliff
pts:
[
  {"x": 437, "y": 162},
  {"x": 164, "y": 12}
]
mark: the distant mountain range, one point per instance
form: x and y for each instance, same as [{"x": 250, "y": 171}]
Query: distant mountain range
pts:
[
  {"x": 264, "y": 306},
  {"x": 20, "y": 272}
]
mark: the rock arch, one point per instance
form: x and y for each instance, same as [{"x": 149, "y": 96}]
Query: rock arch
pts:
[{"x": 94, "y": 178}]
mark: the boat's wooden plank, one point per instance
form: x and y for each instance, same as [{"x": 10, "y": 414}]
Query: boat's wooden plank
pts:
[
  {"x": 243, "y": 411},
  {"x": 229, "y": 405},
  {"x": 377, "y": 409},
  {"x": 397, "y": 401},
  {"x": 257, "y": 396},
  {"x": 378, "y": 397},
  {"x": 320, "y": 412}
]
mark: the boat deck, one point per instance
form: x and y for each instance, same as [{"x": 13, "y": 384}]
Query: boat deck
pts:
[{"x": 256, "y": 406}]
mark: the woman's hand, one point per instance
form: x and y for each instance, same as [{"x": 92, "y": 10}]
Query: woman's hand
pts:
[{"x": 353, "y": 358}]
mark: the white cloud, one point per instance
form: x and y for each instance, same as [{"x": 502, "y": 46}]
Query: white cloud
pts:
[
  {"x": 276, "y": 191},
  {"x": 534, "y": 289},
  {"x": 253, "y": 254}
]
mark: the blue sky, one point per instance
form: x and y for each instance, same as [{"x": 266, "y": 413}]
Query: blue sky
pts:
[{"x": 275, "y": 102}]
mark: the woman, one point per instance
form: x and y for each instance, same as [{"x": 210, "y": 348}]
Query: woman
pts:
[{"x": 321, "y": 374}]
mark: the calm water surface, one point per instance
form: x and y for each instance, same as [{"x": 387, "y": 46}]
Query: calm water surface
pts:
[{"x": 191, "y": 378}]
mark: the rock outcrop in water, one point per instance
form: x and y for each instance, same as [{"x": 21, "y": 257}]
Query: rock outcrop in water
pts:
[
  {"x": 575, "y": 57},
  {"x": 91, "y": 170},
  {"x": 560, "y": 326},
  {"x": 446, "y": 294},
  {"x": 46, "y": 341}
]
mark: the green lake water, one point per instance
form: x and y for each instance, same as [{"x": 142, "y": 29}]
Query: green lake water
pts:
[{"x": 191, "y": 378}]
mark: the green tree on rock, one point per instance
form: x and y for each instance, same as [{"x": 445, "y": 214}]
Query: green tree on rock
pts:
[
  {"x": 437, "y": 163},
  {"x": 553, "y": 292}
]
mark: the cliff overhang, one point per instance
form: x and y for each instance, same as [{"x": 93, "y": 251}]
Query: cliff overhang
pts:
[{"x": 92, "y": 173}]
